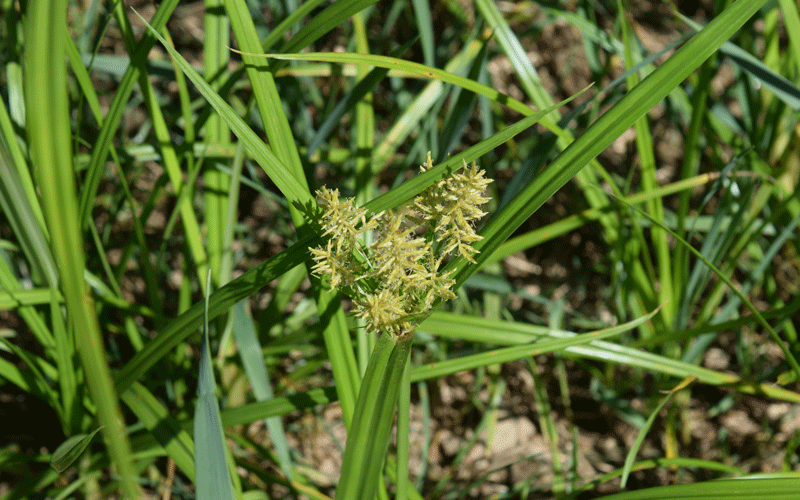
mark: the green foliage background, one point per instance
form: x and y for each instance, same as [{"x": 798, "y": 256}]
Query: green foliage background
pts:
[{"x": 128, "y": 171}]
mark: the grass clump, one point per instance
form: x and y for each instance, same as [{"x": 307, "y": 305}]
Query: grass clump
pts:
[{"x": 636, "y": 237}]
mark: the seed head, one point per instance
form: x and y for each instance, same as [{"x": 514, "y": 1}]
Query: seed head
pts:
[{"x": 395, "y": 280}]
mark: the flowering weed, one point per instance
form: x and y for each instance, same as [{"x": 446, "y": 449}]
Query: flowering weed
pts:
[{"x": 395, "y": 280}]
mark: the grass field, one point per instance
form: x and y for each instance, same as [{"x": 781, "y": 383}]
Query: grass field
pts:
[{"x": 606, "y": 306}]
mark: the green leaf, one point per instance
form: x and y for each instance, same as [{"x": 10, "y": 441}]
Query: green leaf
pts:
[
  {"x": 70, "y": 450},
  {"x": 475, "y": 329},
  {"x": 252, "y": 356},
  {"x": 213, "y": 478},
  {"x": 368, "y": 436},
  {"x": 114, "y": 116},
  {"x": 782, "y": 87},
  {"x": 507, "y": 354},
  {"x": 163, "y": 427},
  {"x": 280, "y": 174},
  {"x": 411, "y": 67},
  {"x": 605, "y": 130},
  {"x": 637, "y": 444},
  {"x": 744, "y": 488},
  {"x": 324, "y": 22}
]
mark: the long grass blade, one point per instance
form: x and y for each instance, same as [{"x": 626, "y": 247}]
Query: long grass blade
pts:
[
  {"x": 109, "y": 127},
  {"x": 51, "y": 153},
  {"x": 368, "y": 437},
  {"x": 253, "y": 362},
  {"x": 518, "y": 352},
  {"x": 162, "y": 426},
  {"x": 213, "y": 478},
  {"x": 606, "y": 129},
  {"x": 744, "y": 488}
]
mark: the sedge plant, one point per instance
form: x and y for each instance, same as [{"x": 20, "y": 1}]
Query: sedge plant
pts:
[
  {"x": 394, "y": 281},
  {"x": 115, "y": 360}
]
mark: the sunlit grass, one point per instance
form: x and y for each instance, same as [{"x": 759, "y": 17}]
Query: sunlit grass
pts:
[{"x": 146, "y": 200}]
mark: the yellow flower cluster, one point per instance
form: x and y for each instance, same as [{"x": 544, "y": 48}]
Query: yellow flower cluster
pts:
[
  {"x": 449, "y": 207},
  {"x": 395, "y": 280}
]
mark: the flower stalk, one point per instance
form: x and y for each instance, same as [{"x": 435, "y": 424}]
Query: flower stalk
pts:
[{"x": 395, "y": 281}]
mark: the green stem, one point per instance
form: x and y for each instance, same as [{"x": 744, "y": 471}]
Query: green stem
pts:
[
  {"x": 368, "y": 436},
  {"x": 47, "y": 107}
]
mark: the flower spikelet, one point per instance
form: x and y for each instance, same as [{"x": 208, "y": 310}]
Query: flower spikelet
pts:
[
  {"x": 450, "y": 206},
  {"x": 384, "y": 310},
  {"x": 396, "y": 253},
  {"x": 342, "y": 222},
  {"x": 395, "y": 280},
  {"x": 342, "y": 219}
]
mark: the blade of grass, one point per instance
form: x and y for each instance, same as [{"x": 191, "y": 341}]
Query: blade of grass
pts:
[
  {"x": 279, "y": 133},
  {"x": 690, "y": 463},
  {"x": 83, "y": 79},
  {"x": 418, "y": 112},
  {"x": 21, "y": 207},
  {"x": 403, "y": 440},
  {"x": 637, "y": 444},
  {"x": 213, "y": 477},
  {"x": 70, "y": 450},
  {"x": 278, "y": 34},
  {"x": 422, "y": 15},
  {"x": 115, "y": 110},
  {"x": 368, "y": 436},
  {"x": 253, "y": 362},
  {"x": 278, "y": 406},
  {"x": 71, "y": 389},
  {"x": 461, "y": 110},
  {"x": 531, "y": 84},
  {"x": 13, "y": 156},
  {"x": 216, "y": 182},
  {"x": 487, "y": 425},
  {"x": 411, "y": 67},
  {"x": 507, "y": 354},
  {"x": 644, "y": 146},
  {"x": 547, "y": 424},
  {"x": 793, "y": 363},
  {"x": 191, "y": 226},
  {"x": 167, "y": 432},
  {"x": 605, "y": 130},
  {"x": 47, "y": 107},
  {"x": 36, "y": 376},
  {"x": 36, "y": 296},
  {"x": 783, "y": 88},
  {"x": 324, "y": 22},
  {"x": 21, "y": 214},
  {"x": 32, "y": 318},
  {"x": 89, "y": 93},
  {"x": 569, "y": 223},
  {"x": 791, "y": 21},
  {"x": 689, "y": 167},
  {"x": 745, "y": 488},
  {"x": 365, "y": 187},
  {"x": 219, "y": 302},
  {"x": 277, "y": 171},
  {"x": 359, "y": 92},
  {"x": 364, "y": 119},
  {"x": 482, "y": 330},
  {"x": 311, "y": 31},
  {"x": 528, "y": 77},
  {"x": 230, "y": 417}
]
